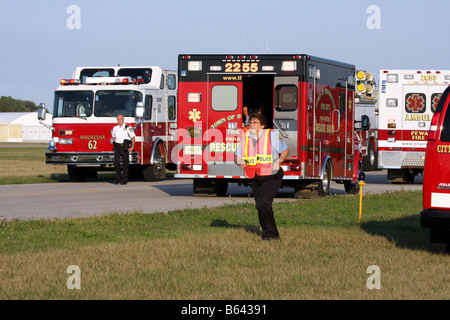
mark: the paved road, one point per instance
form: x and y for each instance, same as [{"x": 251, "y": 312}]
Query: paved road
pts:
[{"x": 63, "y": 200}]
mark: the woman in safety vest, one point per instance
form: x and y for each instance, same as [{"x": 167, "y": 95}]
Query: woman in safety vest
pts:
[{"x": 259, "y": 154}]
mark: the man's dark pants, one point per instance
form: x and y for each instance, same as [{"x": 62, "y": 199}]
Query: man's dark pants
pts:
[
  {"x": 265, "y": 188},
  {"x": 119, "y": 152}
]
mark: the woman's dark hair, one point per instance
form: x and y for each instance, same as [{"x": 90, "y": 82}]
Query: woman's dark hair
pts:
[{"x": 262, "y": 119}]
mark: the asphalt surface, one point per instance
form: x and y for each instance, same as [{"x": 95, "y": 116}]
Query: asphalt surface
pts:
[{"x": 62, "y": 200}]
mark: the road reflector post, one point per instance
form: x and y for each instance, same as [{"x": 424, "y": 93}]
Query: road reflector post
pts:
[{"x": 361, "y": 183}]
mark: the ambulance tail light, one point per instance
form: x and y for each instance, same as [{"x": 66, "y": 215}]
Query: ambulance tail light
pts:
[
  {"x": 392, "y": 78},
  {"x": 194, "y": 97},
  {"x": 194, "y": 65},
  {"x": 289, "y": 66},
  {"x": 433, "y": 126},
  {"x": 191, "y": 167}
]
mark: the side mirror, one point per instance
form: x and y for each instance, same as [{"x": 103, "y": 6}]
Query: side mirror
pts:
[
  {"x": 140, "y": 110},
  {"x": 365, "y": 122},
  {"x": 41, "y": 111}
]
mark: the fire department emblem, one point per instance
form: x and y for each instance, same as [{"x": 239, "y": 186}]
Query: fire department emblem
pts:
[
  {"x": 415, "y": 103},
  {"x": 194, "y": 115}
]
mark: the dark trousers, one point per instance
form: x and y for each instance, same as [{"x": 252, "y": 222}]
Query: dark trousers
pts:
[
  {"x": 120, "y": 152},
  {"x": 265, "y": 188}
]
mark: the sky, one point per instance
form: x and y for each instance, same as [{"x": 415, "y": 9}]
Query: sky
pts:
[{"x": 41, "y": 42}]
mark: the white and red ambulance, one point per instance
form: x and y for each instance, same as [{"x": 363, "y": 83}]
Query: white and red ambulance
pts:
[
  {"x": 407, "y": 101},
  {"x": 85, "y": 110}
]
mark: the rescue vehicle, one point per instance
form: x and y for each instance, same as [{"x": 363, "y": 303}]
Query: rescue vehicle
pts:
[
  {"x": 85, "y": 110},
  {"x": 366, "y": 103},
  {"x": 436, "y": 179},
  {"x": 309, "y": 101},
  {"x": 407, "y": 101}
]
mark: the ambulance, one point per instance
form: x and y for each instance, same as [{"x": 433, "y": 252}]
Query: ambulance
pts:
[
  {"x": 309, "y": 102},
  {"x": 436, "y": 180},
  {"x": 407, "y": 101},
  {"x": 85, "y": 110}
]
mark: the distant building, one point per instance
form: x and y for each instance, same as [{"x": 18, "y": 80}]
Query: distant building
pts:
[{"x": 23, "y": 127}]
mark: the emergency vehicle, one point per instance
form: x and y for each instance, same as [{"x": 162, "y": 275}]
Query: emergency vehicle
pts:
[
  {"x": 309, "y": 101},
  {"x": 436, "y": 178},
  {"x": 85, "y": 110},
  {"x": 407, "y": 101},
  {"x": 366, "y": 103}
]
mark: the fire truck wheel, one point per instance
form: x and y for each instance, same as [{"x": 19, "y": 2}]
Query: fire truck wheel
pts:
[
  {"x": 324, "y": 185},
  {"x": 157, "y": 170},
  {"x": 370, "y": 161},
  {"x": 439, "y": 241},
  {"x": 351, "y": 188},
  {"x": 77, "y": 174},
  {"x": 222, "y": 187}
]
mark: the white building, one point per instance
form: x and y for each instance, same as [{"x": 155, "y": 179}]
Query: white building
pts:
[{"x": 23, "y": 126}]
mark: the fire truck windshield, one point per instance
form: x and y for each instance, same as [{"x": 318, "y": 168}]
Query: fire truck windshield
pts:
[
  {"x": 108, "y": 103},
  {"x": 73, "y": 104}
]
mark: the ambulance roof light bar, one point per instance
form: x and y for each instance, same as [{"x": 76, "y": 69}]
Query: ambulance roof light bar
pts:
[{"x": 102, "y": 80}]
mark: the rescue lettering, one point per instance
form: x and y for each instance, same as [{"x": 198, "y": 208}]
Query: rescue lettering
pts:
[
  {"x": 322, "y": 127},
  {"x": 222, "y": 147},
  {"x": 443, "y": 148}
]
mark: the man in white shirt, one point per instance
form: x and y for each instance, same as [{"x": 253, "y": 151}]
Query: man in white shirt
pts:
[{"x": 124, "y": 139}]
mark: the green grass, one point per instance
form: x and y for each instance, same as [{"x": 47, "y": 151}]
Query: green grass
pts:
[{"x": 217, "y": 253}]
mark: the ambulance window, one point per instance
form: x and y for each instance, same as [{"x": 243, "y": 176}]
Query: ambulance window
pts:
[
  {"x": 172, "y": 81},
  {"x": 415, "y": 103},
  {"x": 342, "y": 103},
  {"x": 172, "y": 108},
  {"x": 224, "y": 98},
  {"x": 85, "y": 73},
  {"x": 161, "y": 85},
  {"x": 286, "y": 98},
  {"x": 445, "y": 134},
  {"x": 148, "y": 107},
  {"x": 137, "y": 73}
]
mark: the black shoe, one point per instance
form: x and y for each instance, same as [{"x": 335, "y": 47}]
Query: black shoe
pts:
[
  {"x": 116, "y": 181},
  {"x": 123, "y": 182}
]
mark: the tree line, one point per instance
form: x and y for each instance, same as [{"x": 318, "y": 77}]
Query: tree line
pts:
[{"x": 8, "y": 104}]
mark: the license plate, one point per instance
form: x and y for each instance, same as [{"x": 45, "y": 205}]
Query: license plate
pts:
[{"x": 193, "y": 150}]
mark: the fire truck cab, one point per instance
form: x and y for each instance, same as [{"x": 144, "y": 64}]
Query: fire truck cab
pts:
[
  {"x": 85, "y": 110},
  {"x": 436, "y": 180},
  {"x": 407, "y": 101},
  {"x": 309, "y": 101}
]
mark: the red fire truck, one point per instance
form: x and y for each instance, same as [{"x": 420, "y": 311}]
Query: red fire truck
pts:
[
  {"x": 366, "y": 103},
  {"x": 308, "y": 100},
  {"x": 85, "y": 110},
  {"x": 407, "y": 101}
]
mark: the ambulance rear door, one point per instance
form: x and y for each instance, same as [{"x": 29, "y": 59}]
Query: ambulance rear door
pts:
[{"x": 224, "y": 123}]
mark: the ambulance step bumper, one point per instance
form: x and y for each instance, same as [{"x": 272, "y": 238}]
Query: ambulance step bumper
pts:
[{"x": 435, "y": 219}]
